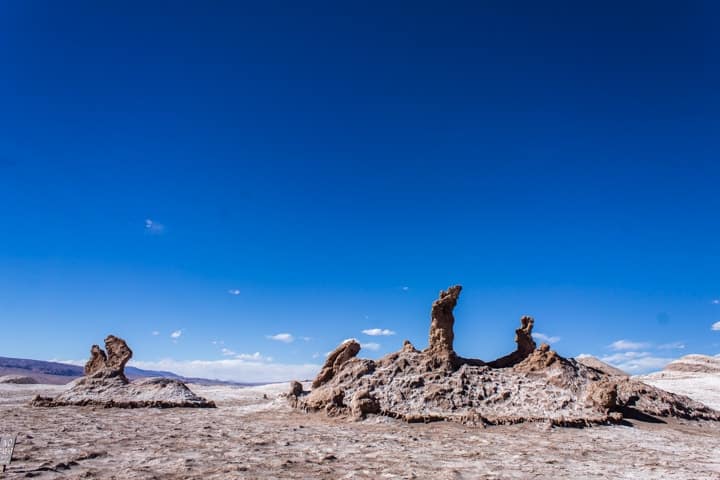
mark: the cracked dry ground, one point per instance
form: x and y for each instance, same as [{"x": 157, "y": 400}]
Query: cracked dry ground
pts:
[{"x": 249, "y": 436}]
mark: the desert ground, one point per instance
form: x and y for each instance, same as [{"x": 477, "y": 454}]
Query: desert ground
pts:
[{"x": 254, "y": 434}]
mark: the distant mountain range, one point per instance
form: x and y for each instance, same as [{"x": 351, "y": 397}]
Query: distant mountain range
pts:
[{"x": 60, "y": 373}]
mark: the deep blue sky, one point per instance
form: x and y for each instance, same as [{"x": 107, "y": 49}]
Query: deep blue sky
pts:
[{"x": 340, "y": 164}]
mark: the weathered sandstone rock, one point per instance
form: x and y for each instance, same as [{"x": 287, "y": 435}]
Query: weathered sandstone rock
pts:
[
  {"x": 118, "y": 354},
  {"x": 530, "y": 384},
  {"x": 106, "y": 385},
  {"x": 97, "y": 360},
  {"x": 442, "y": 336},
  {"x": 334, "y": 362}
]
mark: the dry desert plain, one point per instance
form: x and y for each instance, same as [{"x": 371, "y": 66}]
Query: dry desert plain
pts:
[{"x": 254, "y": 434}]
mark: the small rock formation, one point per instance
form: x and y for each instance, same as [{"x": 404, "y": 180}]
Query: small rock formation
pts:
[
  {"x": 97, "y": 360},
  {"x": 118, "y": 354},
  {"x": 18, "y": 380},
  {"x": 296, "y": 388},
  {"x": 442, "y": 336},
  {"x": 334, "y": 362},
  {"x": 525, "y": 345},
  {"x": 106, "y": 385},
  {"x": 528, "y": 385}
]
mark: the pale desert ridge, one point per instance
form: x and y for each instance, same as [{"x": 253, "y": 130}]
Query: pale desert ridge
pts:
[{"x": 426, "y": 414}]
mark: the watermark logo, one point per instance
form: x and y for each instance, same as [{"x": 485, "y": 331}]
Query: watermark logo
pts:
[{"x": 7, "y": 445}]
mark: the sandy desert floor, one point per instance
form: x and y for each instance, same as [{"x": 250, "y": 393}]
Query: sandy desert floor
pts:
[{"x": 250, "y": 436}]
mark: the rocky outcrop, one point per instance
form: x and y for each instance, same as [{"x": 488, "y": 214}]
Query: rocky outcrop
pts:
[
  {"x": 106, "y": 385},
  {"x": 525, "y": 345},
  {"x": 335, "y": 361},
  {"x": 529, "y": 385},
  {"x": 442, "y": 336},
  {"x": 97, "y": 360},
  {"x": 118, "y": 354}
]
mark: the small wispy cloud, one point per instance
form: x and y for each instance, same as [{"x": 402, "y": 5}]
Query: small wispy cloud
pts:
[
  {"x": 218, "y": 342},
  {"x": 716, "y": 326},
  {"x": 256, "y": 357},
  {"x": 716, "y": 302},
  {"x": 672, "y": 346},
  {"x": 151, "y": 226},
  {"x": 282, "y": 337},
  {"x": 620, "y": 345},
  {"x": 227, "y": 352},
  {"x": 176, "y": 334},
  {"x": 371, "y": 346},
  {"x": 377, "y": 332},
  {"x": 234, "y": 291},
  {"x": 155, "y": 333},
  {"x": 305, "y": 339},
  {"x": 545, "y": 338},
  {"x": 405, "y": 288}
]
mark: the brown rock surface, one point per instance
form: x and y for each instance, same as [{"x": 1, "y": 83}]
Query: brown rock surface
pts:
[
  {"x": 334, "y": 362},
  {"x": 529, "y": 385},
  {"x": 97, "y": 360},
  {"x": 442, "y": 336},
  {"x": 118, "y": 354}
]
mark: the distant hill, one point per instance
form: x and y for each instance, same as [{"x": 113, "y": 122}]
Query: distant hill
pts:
[
  {"x": 61, "y": 373},
  {"x": 697, "y": 376}
]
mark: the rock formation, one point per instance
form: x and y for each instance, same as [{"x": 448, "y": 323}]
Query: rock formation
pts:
[
  {"x": 525, "y": 345},
  {"x": 118, "y": 354},
  {"x": 529, "y": 384},
  {"x": 106, "y": 385},
  {"x": 442, "y": 336},
  {"x": 97, "y": 360},
  {"x": 334, "y": 362}
]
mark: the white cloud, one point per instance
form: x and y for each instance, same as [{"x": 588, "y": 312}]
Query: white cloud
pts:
[
  {"x": 371, "y": 346},
  {"x": 79, "y": 363},
  {"x": 405, "y": 288},
  {"x": 154, "y": 227},
  {"x": 620, "y": 345},
  {"x": 716, "y": 302},
  {"x": 376, "y": 332},
  {"x": 234, "y": 369},
  {"x": 672, "y": 346},
  {"x": 234, "y": 291},
  {"x": 155, "y": 333},
  {"x": 545, "y": 338},
  {"x": 636, "y": 362},
  {"x": 176, "y": 334},
  {"x": 584, "y": 355},
  {"x": 218, "y": 342},
  {"x": 282, "y": 337},
  {"x": 305, "y": 339},
  {"x": 716, "y": 326},
  {"x": 227, "y": 352},
  {"x": 253, "y": 356}
]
